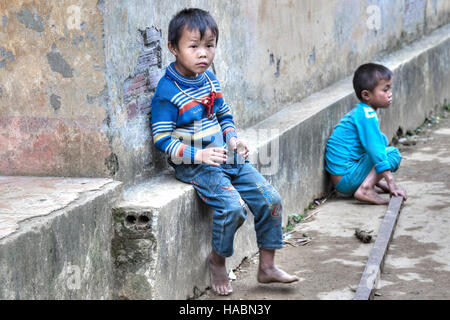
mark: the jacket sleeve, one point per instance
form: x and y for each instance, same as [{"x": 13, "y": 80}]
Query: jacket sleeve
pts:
[
  {"x": 372, "y": 139},
  {"x": 226, "y": 122},
  {"x": 164, "y": 117}
]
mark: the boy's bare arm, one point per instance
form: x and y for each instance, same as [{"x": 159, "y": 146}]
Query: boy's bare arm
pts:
[{"x": 393, "y": 189}]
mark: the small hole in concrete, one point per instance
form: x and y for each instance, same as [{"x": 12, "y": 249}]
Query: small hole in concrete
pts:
[
  {"x": 144, "y": 219},
  {"x": 130, "y": 219}
]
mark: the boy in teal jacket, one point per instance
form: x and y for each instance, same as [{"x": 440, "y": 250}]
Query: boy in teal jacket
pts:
[{"x": 358, "y": 157}]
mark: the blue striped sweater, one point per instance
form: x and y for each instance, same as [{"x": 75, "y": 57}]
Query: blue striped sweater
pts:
[{"x": 180, "y": 124}]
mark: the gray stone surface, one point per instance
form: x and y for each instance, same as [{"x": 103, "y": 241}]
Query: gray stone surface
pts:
[{"x": 56, "y": 237}]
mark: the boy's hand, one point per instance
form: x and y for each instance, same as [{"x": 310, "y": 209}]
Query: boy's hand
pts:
[
  {"x": 393, "y": 189},
  {"x": 239, "y": 146},
  {"x": 398, "y": 192},
  {"x": 212, "y": 156}
]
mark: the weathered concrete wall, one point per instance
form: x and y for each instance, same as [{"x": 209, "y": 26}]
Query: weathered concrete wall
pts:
[
  {"x": 421, "y": 82},
  {"x": 77, "y": 76},
  {"x": 52, "y": 89},
  {"x": 270, "y": 54}
]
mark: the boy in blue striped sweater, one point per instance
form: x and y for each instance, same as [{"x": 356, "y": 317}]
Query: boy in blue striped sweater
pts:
[
  {"x": 193, "y": 125},
  {"x": 358, "y": 157}
]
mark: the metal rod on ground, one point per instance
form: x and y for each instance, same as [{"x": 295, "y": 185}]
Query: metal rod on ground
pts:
[{"x": 375, "y": 263}]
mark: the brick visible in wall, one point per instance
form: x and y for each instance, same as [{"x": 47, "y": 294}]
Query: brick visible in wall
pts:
[
  {"x": 153, "y": 78},
  {"x": 136, "y": 85},
  {"x": 148, "y": 58},
  {"x": 131, "y": 110},
  {"x": 151, "y": 36},
  {"x": 138, "y": 89}
]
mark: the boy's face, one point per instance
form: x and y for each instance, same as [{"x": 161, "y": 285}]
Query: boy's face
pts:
[
  {"x": 381, "y": 96},
  {"x": 194, "y": 55}
]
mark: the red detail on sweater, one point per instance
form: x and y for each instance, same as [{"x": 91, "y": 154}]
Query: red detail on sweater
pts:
[
  {"x": 194, "y": 103},
  {"x": 208, "y": 102}
]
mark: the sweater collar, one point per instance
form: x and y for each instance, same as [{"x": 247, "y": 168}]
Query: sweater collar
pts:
[{"x": 173, "y": 74}]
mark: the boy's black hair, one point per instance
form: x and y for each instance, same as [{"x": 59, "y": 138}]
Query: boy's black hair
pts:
[
  {"x": 192, "y": 19},
  {"x": 367, "y": 77}
]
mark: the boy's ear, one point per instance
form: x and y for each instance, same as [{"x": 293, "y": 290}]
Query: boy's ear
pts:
[
  {"x": 172, "y": 48},
  {"x": 365, "y": 94}
]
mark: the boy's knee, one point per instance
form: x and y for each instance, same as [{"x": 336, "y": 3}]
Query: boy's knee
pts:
[
  {"x": 276, "y": 200},
  {"x": 394, "y": 158},
  {"x": 274, "y": 204},
  {"x": 270, "y": 194},
  {"x": 237, "y": 213}
]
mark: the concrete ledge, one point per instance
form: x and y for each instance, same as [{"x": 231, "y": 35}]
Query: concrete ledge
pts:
[
  {"x": 288, "y": 148},
  {"x": 162, "y": 236},
  {"x": 55, "y": 237}
]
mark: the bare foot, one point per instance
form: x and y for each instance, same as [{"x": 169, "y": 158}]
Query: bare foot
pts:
[
  {"x": 220, "y": 282},
  {"x": 383, "y": 185},
  {"x": 378, "y": 189},
  {"x": 273, "y": 274},
  {"x": 369, "y": 195}
]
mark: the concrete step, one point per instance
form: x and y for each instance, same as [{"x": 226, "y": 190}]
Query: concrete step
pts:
[
  {"x": 55, "y": 237},
  {"x": 161, "y": 238},
  {"x": 169, "y": 228}
]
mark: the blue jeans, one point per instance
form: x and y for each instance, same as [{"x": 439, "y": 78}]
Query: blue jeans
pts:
[
  {"x": 351, "y": 181},
  {"x": 223, "y": 188}
]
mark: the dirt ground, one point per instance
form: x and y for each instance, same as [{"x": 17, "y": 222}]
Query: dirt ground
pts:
[{"x": 330, "y": 265}]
